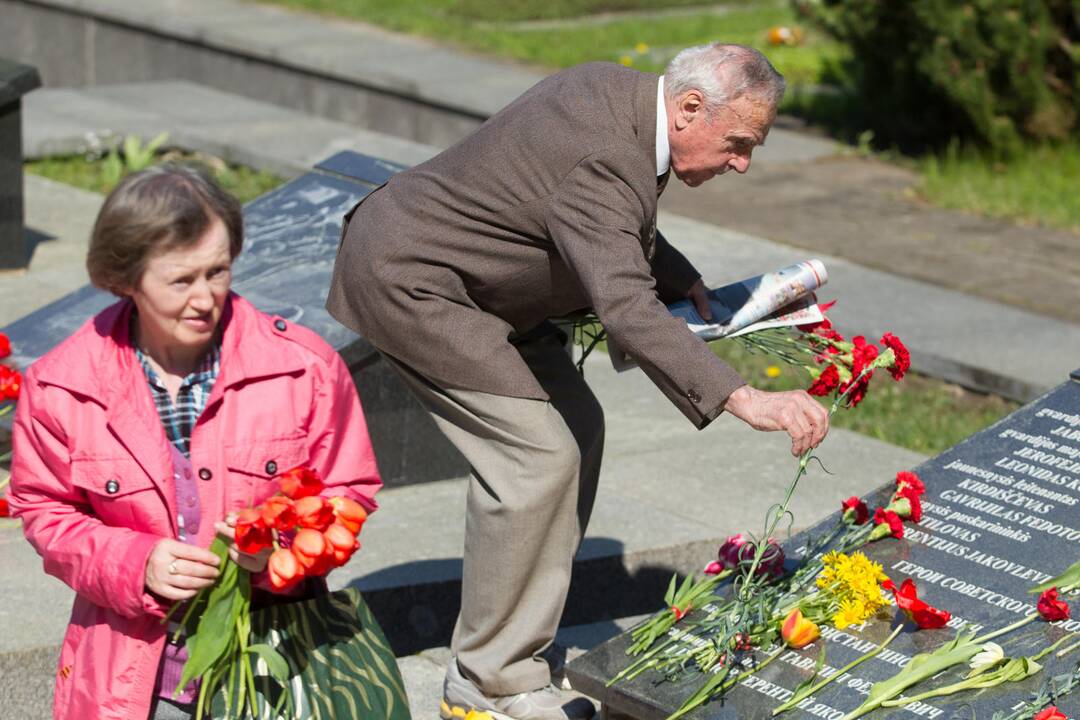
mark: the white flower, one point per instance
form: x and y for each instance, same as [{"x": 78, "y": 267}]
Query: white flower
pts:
[{"x": 990, "y": 656}]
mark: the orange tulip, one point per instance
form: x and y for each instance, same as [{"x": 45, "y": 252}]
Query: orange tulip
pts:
[
  {"x": 798, "y": 631},
  {"x": 314, "y": 512},
  {"x": 300, "y": 482},
  {"x": 349, "y": 513},
  {"x": 284, "y": 568},
  {"x": 279, "y": 513},
  {"x": 312, "y": 551},
  {"x": 342, "y": 543},
  {"x": 252, "y": 535}
]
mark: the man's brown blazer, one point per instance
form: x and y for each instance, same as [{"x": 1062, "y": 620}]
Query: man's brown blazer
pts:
[{"x": 548, "y": 209}]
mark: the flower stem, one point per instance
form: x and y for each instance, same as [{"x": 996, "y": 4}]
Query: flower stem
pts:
[
  {"x": 1066, "y": 651},
  {"x": 798, "y": 697},
  {"x": 719, "y": 683},
  {"x": 1007, "y": 629}
]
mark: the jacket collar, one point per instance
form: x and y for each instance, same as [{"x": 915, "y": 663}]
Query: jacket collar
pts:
[{"x": 101, "y": 364}]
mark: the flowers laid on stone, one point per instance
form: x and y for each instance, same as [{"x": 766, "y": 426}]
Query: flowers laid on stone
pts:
[{"x": 310, "y": 535}]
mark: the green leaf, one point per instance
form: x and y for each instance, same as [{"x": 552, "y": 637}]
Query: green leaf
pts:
[
  {"x": 1069, "y": 578},
  {"x": 275, "y": 662},
  {"x": 211, "y": 638},
  {"x": 669, "y": 596}
]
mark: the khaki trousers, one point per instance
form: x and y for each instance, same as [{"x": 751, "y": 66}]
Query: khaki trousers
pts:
[{"x": 535, "y": 466}]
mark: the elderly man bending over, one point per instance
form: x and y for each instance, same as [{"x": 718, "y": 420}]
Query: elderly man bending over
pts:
[{"x": 452, "y": 269}]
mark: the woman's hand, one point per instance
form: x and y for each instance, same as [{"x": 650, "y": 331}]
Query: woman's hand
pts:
[
  {"x": 178, "y": 571},
  {"x": 252, "y": 563}
]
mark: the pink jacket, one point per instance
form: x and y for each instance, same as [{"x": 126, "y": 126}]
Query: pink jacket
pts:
[{"x": 86, "y": 417}]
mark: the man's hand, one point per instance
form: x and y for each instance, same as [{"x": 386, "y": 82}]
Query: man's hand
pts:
[
  {"x": 792, "y": 411},
  {"x": 699, "y": 294}
]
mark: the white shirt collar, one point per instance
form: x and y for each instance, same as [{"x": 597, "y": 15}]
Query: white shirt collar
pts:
[{"x": 663, "y": 149}]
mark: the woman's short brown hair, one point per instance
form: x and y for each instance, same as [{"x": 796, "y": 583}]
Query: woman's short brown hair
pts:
[{"x": 159, "y": 209}]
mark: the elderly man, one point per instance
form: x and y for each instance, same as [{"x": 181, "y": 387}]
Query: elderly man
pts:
[{"x": 452, "y": 268}]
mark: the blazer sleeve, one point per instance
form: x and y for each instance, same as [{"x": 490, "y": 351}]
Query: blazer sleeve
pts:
[
  {"x": 103, "y": 563},
  {"x": 673, "y": 272},
  {"x": 596, "y": 220}
]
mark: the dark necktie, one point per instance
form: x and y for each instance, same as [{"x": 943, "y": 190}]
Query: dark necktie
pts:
[{"x": 661, "y": 182}]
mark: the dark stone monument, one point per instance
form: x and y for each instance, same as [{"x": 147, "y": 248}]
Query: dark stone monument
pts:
[
  {"x": 15, "y": 81},
  {"x": 1002, "y": 513},
  {"x": 292, "y": 235}
]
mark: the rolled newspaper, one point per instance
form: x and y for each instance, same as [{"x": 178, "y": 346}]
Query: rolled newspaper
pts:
[{"x": 758, "y": 297}]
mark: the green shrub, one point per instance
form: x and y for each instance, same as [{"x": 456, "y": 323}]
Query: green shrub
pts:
[{"x": 994, "y": 72}]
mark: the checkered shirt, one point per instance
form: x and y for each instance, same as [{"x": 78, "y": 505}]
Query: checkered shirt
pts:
[{"x": 179, "y": 417}]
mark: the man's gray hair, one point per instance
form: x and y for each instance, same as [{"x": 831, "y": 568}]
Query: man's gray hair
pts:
[{"x": 722, "y": 73}]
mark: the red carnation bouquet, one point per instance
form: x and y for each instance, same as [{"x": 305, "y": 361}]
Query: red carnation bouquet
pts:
[{"x": 311, "y": 535}]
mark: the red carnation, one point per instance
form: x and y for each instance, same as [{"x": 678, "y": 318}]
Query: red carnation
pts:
[
  {"x": 863, "y": 356},
  {"x": 905, "y": 480},
  {"x": 5, "y": 346},
  {"x": 888, "y": 523},
  {"x": 903, "y": 357},
  {"x": 918, "y": 611},
  {"x": 5, "y": 510},
  {"x": 815, "y": 327},
  {"x": 906, "y": 504},
  {"x": 1051, "y": 608},
  {"x": 1050, "y": 713},
  {"x": 826, "y": 382},
  {"x": 855, "y": 510}
]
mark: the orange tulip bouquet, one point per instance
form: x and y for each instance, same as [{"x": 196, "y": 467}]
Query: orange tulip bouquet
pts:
[{"x": 310, "y": 535}]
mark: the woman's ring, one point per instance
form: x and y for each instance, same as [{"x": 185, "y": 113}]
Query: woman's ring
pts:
[{"x": 172, "y": 568}]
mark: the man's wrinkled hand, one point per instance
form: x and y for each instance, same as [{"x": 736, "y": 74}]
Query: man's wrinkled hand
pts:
[{"x": 792, "y": 411}]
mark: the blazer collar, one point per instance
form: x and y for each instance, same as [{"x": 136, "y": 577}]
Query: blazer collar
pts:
[{"x": 645, "y": 114}]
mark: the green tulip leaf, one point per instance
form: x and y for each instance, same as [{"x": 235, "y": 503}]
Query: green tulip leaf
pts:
[{"x": 1069, "y": 578}]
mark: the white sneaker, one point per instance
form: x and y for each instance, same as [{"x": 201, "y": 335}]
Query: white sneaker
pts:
[{"x": 460, "y": 696}]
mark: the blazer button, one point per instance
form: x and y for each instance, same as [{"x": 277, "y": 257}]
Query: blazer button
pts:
[
  {"x": 205, "y": 474},
  {"x": 271, "y": 467},
  {"x": 694, "y": 395},
  {"x": 280, "y": 325},
  {"x": 112, "y": 487}
]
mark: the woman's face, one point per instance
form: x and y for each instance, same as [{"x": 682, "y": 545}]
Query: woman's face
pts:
[{"x": 181, "y": 294}]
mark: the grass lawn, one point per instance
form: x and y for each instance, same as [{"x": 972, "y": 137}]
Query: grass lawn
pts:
[
  {"x": 919, "y": 413},
  {"x": 243, "y": 182},
  {"x": 643, "y": 42},
  {"x": 1040, "y": 185}
]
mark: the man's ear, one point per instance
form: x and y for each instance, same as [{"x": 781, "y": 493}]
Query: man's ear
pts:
[{"x": 687, "y": 108}]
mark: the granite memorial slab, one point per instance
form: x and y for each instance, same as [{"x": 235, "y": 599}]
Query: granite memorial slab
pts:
[
  {"x": 291, "y": 240},
  {"x": 1001, "y": 514},
  {"x": 16, "y": 80}
]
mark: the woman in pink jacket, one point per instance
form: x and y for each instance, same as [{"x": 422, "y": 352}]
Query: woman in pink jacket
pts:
[{"x": 165, "y": 413}]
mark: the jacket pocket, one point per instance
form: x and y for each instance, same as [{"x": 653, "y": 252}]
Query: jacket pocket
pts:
[
  {"x": 254, "y": 465},
  {"x": 119, "y": 490}
]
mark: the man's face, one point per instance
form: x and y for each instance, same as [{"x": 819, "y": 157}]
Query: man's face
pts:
[{"x": 703, "y": 147}]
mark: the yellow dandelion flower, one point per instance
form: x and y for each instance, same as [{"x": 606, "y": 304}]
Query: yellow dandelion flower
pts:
[
  {"x": 772, "y": 371},
  {"x": 851, "y": 612},
  {"x": 626, "y": 60},
  {"x": 641, "y": 48}
]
